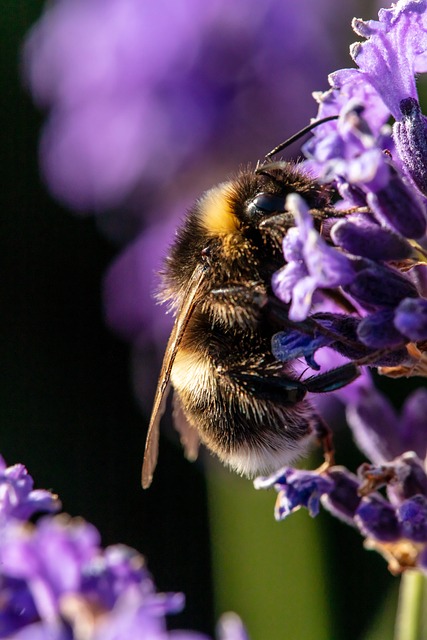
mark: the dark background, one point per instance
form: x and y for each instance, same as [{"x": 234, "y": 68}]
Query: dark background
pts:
[{"x": 66, "y": 406}]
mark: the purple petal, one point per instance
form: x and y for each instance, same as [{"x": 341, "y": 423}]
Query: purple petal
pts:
[
  {"x": 377, "y": 286},
  {"x": 330, "y": 267},
  {"x": 388, "y": 58},
  {"x": 33, "y": 555},
  {"x": 411, "y": 318},
  {"x": 418, "y": 275},
  {"x": 413, "y": 423},
  {"x": 362, "y": 237},
  {"x": 410, "y": 475},
  {"x": 302, "y": 296},
  {"x": 378, "y": 332},
  {"x": 105, "y": 577},
  {"x": 375, "y": 426},
  {"x": 284, "y": 280},
  {"x": 343, "y": 500},
  {"x": 292, "y": 245},
  {"x": 289, "y": 345},
  {"x": 410, "y": 136},
  {"x": 296, "y": 489},
  {"x": 377, "y": 519},
  {"x": 398, "y": 205},
  {"x": 17, "y": 609},
  {"x": 413, "y": 517},
  {"x": 404, "y": 477},
  {"x": 44, "y": 631},
  {"x": 18, "y": 499}
]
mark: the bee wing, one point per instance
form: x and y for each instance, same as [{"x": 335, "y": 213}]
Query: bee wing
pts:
[
  {"x": 181, "y": 321},
  {"x": 188, "y": 434}
]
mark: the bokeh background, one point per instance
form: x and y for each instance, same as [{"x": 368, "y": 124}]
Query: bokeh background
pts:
[{"x": 81, "y": 340}]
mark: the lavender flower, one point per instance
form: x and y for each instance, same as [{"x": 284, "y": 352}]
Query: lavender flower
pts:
[
  {"x": 361, "y": 235},
  {"x": 296, "y": 489},
  {"x": 369, "y": 254},
  {"x": 58, "y": 583},
  {"x": 311, "y": 263},
  {"x": 397, "y": 526},
  {"x": 410, "y": 318}
]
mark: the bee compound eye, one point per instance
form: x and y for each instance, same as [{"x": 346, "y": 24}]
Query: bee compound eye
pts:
[{"x": 265, "y": 204}]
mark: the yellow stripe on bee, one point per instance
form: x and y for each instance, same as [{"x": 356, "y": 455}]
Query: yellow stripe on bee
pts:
[
  {"x": 216, "y": 213},
  {"x": 191, "y": 372}
]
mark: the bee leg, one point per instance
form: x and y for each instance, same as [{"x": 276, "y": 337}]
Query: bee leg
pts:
[
  {"x": 279, "y": 220},
  {"x": 324, "y": 435},
  {"x": 253, "y": 293},
  {"x": 285, "y": 220},
  {"x": 278, "y": 311},
  {"x": 332, "y": 380},
  {"x": 277, "y": 389}
]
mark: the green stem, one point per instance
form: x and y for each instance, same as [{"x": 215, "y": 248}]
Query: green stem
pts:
[{"x": 409, "y": 620}]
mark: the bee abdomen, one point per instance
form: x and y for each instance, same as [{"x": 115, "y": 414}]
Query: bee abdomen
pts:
[{"x": 246, "y": 430}]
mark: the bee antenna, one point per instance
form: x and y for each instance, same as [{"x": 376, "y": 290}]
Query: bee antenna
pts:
[{"x": 298, "y": 135}]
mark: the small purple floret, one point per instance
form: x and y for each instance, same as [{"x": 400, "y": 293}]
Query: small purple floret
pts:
[
  {"x": 343, "y": 500},
  {"x": 377, "y": 286},
  {"x": 399, "y": 206},
  {"x": 362, "y": 237},
  {"x": 411, "y": 318},
  {"x": 413, "y": 517},
  {"x": 378, "y": 332},
  {"x": 410, "y": 136},
  {"x": 18, "y": 499},
  {"x": 377, "y": 519},
  {"x": 381, "y": 433},
  {"x": 296, "y": 489},
  {"x": 290, "y": 345},
  {"x": 312, "y": 264}
]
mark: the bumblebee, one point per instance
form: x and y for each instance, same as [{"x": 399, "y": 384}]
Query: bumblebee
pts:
[{"x": 229, "y": 391}]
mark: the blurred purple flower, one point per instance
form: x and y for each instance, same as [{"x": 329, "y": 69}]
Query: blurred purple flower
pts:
[
  {"x": 32, "y": 555},
  {"x": 57, "y": 583},
  {"x": 18, "y": 499},
  {"x": 141, "y": 91},
  {"x": 230, "y": 627}
]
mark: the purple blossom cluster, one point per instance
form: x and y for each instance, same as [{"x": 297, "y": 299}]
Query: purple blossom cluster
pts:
[
  {"x": 58, "y": 583},
  {"x": 372, "y": 247},
  {"x": 386, "y": 500},
  {"x": 371, "y": 252}
]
